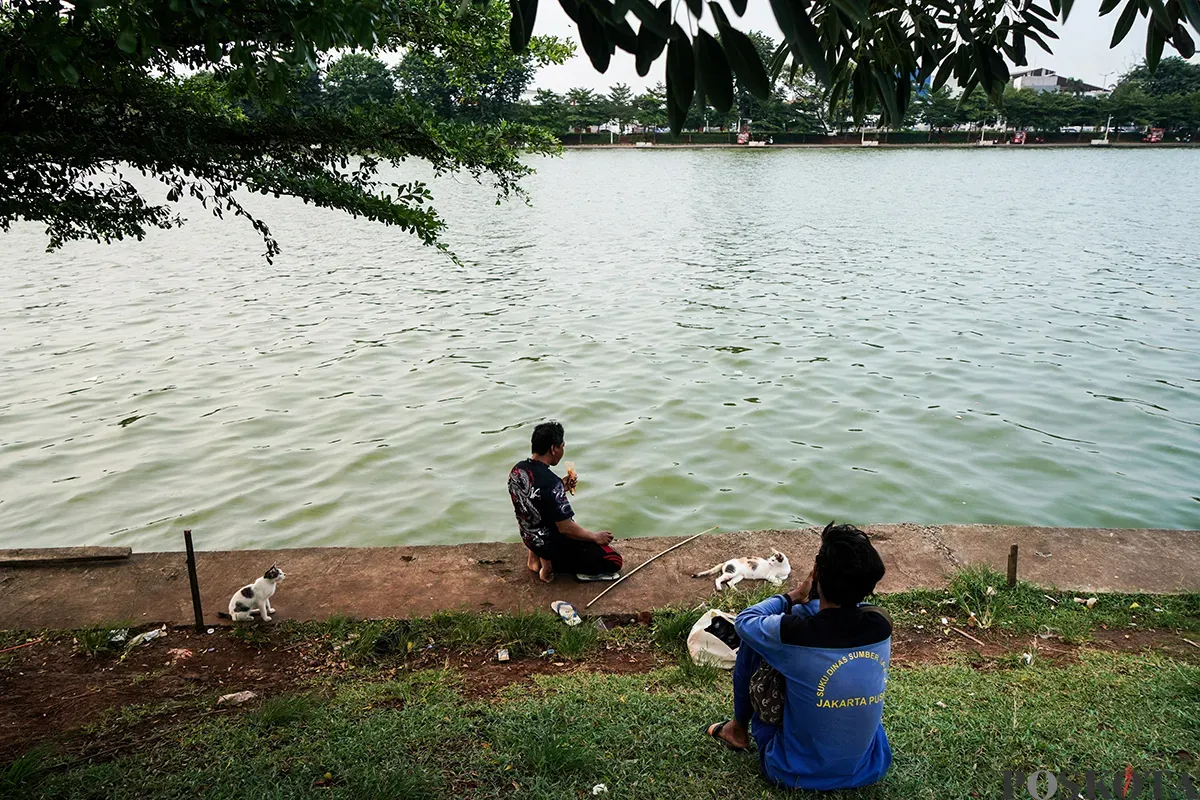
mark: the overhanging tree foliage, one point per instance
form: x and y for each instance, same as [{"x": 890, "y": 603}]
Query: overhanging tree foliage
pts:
[
  {"x": 867, "y": 53},
  {"x": 91, "y": 90}
]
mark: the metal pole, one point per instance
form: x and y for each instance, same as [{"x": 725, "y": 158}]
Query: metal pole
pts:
[
  {"x": 1012, "y": 566},
  {"x": 191, "y": 564}
]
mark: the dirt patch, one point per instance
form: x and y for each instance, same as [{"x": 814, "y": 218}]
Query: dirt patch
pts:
[
  {"x": 915, "y": 647},
  {"x": 52, "y": 694},
  {"x": 49, "y": 690}
]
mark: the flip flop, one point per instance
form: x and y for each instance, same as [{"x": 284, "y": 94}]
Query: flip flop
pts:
[{"x": 716, "y": 734}]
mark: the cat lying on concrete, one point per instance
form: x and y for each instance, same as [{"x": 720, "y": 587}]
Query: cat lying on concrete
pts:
[{"x": 774, "y": 569}]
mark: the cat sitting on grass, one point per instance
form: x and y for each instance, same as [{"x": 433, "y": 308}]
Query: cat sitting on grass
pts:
[
  {"x": 254, "y": 599},
  {"x": 774, "y": 569}
]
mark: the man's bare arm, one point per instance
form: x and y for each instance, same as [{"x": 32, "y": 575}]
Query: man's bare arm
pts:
[{"x": 573, "y": 530}]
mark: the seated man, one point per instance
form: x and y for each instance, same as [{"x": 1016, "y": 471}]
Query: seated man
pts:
[
  {"x": 547, "y": 521},
  {"x": 810, "y": 673}
]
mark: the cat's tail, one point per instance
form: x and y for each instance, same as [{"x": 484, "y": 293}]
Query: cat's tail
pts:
[
  {"x": 254, "y": 612},
  {"x": 708, "y": 572},
  {"x": 223, "y": 615}
]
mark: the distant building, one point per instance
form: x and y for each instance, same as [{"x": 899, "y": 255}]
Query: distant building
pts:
[{"x": 1047, "y": 80}]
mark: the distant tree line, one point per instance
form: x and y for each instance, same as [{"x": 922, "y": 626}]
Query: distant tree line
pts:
[{"x": 1169, "y": 98}]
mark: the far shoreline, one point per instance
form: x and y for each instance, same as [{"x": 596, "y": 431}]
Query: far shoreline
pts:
[{"x": 882, "y": 145}]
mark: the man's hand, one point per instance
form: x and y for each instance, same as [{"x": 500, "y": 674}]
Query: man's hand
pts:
[
  {"x": 602, "y": 537},
  {"x": 801, "y": 592}
]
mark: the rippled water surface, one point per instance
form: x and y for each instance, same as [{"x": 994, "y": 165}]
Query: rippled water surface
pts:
[{"x": 743, "y": 339}]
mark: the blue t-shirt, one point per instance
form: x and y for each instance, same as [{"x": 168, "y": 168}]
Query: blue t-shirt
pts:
[{"x": 835, "y": 665}]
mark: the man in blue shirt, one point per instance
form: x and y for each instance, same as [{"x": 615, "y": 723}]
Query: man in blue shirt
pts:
[{"x": 810, "y": 674}]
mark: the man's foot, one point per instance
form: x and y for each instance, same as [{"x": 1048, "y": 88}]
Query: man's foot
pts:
[
  {"x": 533, "y": 562},
  {"x": 545, "y": 570},
  {"x": 730, "y": 733}
]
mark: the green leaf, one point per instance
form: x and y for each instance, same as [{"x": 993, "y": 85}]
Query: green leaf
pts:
[
  {"x": 695, "y": 7},
  {"x": 621, "y": 34},
  {"x": 714, "y": 71},
  {"x": 593, "y": 38},
  {"x": 887, "y": 93},
  {"x": 529, "y": 10},
  {"x": 127, "y": 41},
  {"x": 1066, "y": 8},
  {"x": 1041, "y": 12},
  {"x": 742, "y": 55},
  {"x": 983, "y": 66},
  {"x": 656, "y": 19},
  {"x": 943, "y": 73},
  {"x": 649, "y": 47},
  {"x": 1154, "y": 47},
  {"x": 739, "y": 6},
  {"x": 677, "y": 112},
  {"x": 802, "y": 36},
  {"x": 1125, "y": 22},
  {"x": 518, "y": 35},
  {"x": 1183, "y": 42},
  {"x": 571, "y": 7},
  {"x": 854, "y": 9},
  {"x": 1041, "y": 26},
  {"x": 1039, "y": 40},
  {"x": 1158, "y": 12},
  {"x": 1108, "y": 6},
  {"x": 681, "y": 70},
  {"x": 1191, "y": 11}
]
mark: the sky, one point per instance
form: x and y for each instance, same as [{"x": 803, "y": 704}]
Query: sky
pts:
[{"x": 1081, "y": 51}]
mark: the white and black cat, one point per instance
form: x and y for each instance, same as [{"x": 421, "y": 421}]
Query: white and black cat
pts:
[
  {"x": 254, "y": 599},
  {"x": 774, "y": 569}
]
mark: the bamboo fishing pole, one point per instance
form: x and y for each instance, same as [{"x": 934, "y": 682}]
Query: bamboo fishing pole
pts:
[{"x": 647, "y": 561}]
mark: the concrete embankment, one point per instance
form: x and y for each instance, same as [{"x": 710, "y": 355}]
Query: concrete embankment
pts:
[{"x": 417, "y": 581}]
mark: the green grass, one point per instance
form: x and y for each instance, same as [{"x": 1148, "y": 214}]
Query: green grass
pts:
[
  {"x": 419, "y": 737},
  {"x": 96, "y": 641},
  {"x": 1026, "y": 608}
]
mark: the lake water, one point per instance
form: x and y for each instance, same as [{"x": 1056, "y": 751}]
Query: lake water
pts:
[{"x": 732, "y": 338}]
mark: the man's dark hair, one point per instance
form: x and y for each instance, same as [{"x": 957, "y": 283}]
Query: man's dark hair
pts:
[
  {"x": 848, "y": 567},
  {"x": 545, "y": 436}
]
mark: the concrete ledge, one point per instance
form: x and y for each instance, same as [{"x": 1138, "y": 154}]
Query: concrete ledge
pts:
[
  {"x": 417, "y": 581},
  {"x": 50, "y": 556}
]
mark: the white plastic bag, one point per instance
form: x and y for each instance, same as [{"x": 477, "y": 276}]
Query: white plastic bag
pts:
[{"x": 705, "y": 648}]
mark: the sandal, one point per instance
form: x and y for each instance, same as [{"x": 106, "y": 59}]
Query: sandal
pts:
[{"x": 715, "y": 733}]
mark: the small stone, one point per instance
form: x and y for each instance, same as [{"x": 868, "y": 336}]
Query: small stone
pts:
[
  {"x": 940, "y": 704},
  {"x": 236, "y": 699}
]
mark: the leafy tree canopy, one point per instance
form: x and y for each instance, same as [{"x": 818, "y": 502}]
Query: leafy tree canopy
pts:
[
  {"x": 487, "y": 86},
  {"x": 1173, "y": 76},
  {"x": 359, "y": 79},
  {"x": 91, "y": 90}
]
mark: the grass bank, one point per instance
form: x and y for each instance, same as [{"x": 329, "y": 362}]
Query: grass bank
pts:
[
  {"x": 954, "y": 730},
  {"x": 422, "y": 709}
]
